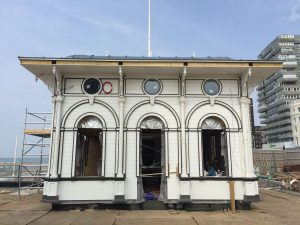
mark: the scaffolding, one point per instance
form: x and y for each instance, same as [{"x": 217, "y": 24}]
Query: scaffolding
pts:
[{"x": 35, "y": 151}]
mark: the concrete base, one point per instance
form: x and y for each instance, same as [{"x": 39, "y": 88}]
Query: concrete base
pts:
[
  {"x": 119, "y": 199},
  {"x": 185, "y": 199},
  {"x": 50, "y": 199},
  {"x": 254, "y": 198}
]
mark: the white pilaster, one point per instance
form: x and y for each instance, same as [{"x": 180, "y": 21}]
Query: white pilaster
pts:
[
  {"x": 184, "y": 170},
  {"x": 58, "y": 109},
  {"x": 183, "y": 141},
  {"x": 121, "y": 127},
  {"x": 248, "y": 159}
]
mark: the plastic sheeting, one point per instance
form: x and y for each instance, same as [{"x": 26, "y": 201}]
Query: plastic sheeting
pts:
[{"x": 212, "y": 123}]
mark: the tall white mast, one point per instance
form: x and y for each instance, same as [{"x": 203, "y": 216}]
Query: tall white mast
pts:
[{"x": 149, "y": 29}]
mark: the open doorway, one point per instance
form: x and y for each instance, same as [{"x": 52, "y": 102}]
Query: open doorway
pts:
[
  {"x": 152, "y": 167},
  {"x": 215, "y": 157},
  {"x": 89, "y": 147}
]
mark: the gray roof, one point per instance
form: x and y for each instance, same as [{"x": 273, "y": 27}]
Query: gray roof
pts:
[
  {"x": 146, "y": 58},
  {"x": 109, "y": 57}
]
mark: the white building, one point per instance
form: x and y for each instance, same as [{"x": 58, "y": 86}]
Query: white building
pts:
[
  {"x": 125, "y": 126},
  {"x": 295, "y": 121}
]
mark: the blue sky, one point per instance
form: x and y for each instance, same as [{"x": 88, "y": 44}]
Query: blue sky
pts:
[{"x": 235, "y": 28}]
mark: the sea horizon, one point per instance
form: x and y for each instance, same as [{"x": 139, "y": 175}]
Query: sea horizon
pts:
[{"x": 34, "y": 160}]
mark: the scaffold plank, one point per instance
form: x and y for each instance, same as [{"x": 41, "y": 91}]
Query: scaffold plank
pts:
[{"x": 45, "y": 133}]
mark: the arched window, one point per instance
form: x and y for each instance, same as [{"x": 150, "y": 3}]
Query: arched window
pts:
[
  {"x": 152, "y": 122},
  {"x": 212, "y": 123},
  {"x": 214, "y": 145},
  {"x": 152, "y": 158},
  {"x": 89, "y": 147}
]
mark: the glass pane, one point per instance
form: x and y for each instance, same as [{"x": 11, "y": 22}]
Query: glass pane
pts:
[
  {"x": 92, "y": 86},
  {"x": 211, "y": 87},
  {"x": 90, "y": 122},
  {"x": 152, "y": 87},
  {"x": 212, "y": 123},
  {"x": 152, "y": 122}
]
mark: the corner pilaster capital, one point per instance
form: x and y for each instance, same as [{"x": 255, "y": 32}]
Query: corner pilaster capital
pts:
[
  {"x": 121, "y": 99},
  {"x": 244, "y": 100},
  {"x": 182, "y": 99},
  {"x": 59, "y": 98}
]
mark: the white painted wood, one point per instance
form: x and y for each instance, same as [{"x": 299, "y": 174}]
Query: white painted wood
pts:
[
  {"x": 73, "y": 86},
  {"x": 86, "y": 190},
  {"x": 216, "y": 190},
  {"x": 170, "y": 87},
  {"x": 217, "y": 110},
  {"x": 133, "y": 86},
  {"x": 67, "y": 154},
  {"x": 192, "y": 143},
  {"x": 194, "y": 87},
  {"x": 110, "y": 153},
  {"x": 229, "y": 87},
  {"x": 167, "y": 106}
]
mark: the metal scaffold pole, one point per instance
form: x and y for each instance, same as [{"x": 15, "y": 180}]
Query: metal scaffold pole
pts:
[{"x": 35, "y": 150}]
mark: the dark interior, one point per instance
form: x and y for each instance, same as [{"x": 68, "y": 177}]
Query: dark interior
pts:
[
  {"x": 89, "y": 152},
  {"x": 151, "y": 167},
  {"x": 212, "y": 156}
]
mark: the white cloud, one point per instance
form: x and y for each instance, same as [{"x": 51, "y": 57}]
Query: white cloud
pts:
[
  {"x": 125, "y": 29},
  {"x": 294, "y": 8},
  {"x": 103, "y": 22}
]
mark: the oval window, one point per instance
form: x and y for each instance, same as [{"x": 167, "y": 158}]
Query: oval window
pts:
[
  {"x": 211, "y": 87},
  {"x": 91, "y": 86},
  {"x": 152, "y": 86}
]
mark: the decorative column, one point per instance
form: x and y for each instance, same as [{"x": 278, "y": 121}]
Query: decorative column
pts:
[
  {"x": 184, "y": 184},
  {"x": 119, "y": 184},
  {"x": 121, "y": 126},
  {"x": 58, "y": 111},
  {"x": 184, "y": 171},
  {"x": 245, "y": 102},
  {"x": 51, "y": 187},
  {"x": 245, "y": 114}
]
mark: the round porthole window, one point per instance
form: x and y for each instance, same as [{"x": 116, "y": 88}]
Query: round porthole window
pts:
[
  {"x": 91, "y": 86},
  {"x": 211, "y": 87},
  {"x": 152, "y": 86}
]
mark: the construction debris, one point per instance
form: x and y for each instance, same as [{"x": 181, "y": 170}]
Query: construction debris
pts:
[{"x": 5, "y": 191}]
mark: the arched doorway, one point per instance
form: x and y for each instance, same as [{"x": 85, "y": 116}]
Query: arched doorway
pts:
[
  {"x": 89, "y": 147},
  {"x": 152, "y": 158},
  {"x": 214, "y": 147}
]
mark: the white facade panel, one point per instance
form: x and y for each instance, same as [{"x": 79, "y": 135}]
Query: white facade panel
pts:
[
  {"x": 230, "y": 87},
  {"x": 67, "y": 154},
  {"x": 193, "y": 149},
  {"x": 194, "y": 87},
  {"x": 110, "y": 153},
  {"x": 134, "y": 86},
  {"x": 73, "y": 86},
  {"x": 86, "y": 190},
  {"x": 170, "y": 87}
]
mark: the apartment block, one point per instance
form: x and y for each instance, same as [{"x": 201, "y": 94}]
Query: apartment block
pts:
[{"x": 277, "y": 91}]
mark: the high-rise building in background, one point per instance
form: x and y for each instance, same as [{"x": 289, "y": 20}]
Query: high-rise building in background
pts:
[
  {"x": 280, "y": 89},
  {"x": 295, "y": 121}
]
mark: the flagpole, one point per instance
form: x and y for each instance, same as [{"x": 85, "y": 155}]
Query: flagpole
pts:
[{"x": 149, "y": 29}]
